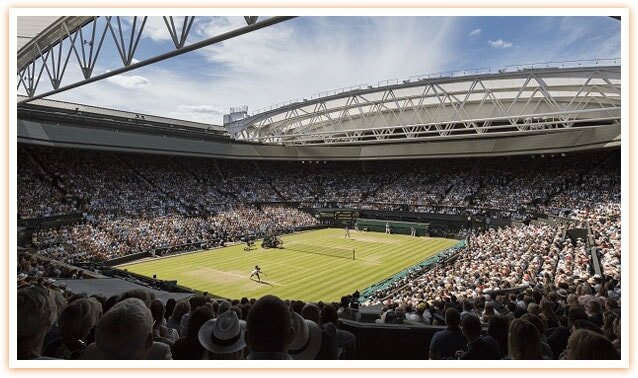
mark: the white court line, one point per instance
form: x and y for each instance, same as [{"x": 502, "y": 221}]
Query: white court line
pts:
[
  {"x": 236, "y": 275},
  {"x": 221, "y": 271}
]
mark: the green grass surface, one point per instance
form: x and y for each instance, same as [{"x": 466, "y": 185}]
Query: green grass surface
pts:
[{"x": 291, "y": 274}]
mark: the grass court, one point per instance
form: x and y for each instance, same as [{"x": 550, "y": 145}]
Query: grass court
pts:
[{"x": 293, "y": 274}]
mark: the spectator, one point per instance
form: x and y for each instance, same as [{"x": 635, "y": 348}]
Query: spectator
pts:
[
  {"x": 125, "y": 332},
  {"x": 160, "y": 331},
  {"x": 478, "y": 347},
  {"x": 188, "y": 347},
  {"x": 524, "y": 341},
  {"x": 595, "y": 312},
  {"x": 307, "y": 339},
  {"x": 446, "y": 343},
  {"x": 36, "y": 312},
  {"x": 588, "y": 345},
  {"x": 346, "y": 341},
  {"x": 268, "y": 330},
  {"x": 498, "y": 329},
  {"x": 223, "y": 337},
  {"x": 181, "y": 308},
  {"x": 76, "y": 322}
]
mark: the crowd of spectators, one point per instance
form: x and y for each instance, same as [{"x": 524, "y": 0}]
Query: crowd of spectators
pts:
[
  {"x": 110, "y": 236},
  {"x": 541, "y": 323},
  {"x": 533, "y": 285},
  {"x": 56, "y": 324},
  {"x": 139, "y": 185}
]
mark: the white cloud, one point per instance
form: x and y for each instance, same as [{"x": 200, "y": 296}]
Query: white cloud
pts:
[
  {"x": 128, "y": 81},
  {"x": 475, "y": 32},
  {"x": 290, "y": 60},
  {"x": 280, "y": 63},
  {"x": 499, "y": 44},
  {"x": 209, "y": 109}
]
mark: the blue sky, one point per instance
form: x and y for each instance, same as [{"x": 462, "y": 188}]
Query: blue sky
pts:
[{"x": 306, "y": 55}]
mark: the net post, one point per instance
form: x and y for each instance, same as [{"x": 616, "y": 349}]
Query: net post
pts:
[{"x": 353, "y": 254}]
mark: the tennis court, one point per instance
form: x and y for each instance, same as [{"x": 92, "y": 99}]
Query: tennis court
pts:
[{"x": 317, "y": 265}]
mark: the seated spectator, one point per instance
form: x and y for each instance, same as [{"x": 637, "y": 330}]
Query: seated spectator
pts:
[
  {"x": 329, "y": 333},
  {"x": 588, "y": 345},
  {"x": 557, "y": 337},
  {"x": 75, "y": 323},
  {"x": 223, "y": 337},
  {"x": 421, "y": 315},
  {"x": 160, "y": 331},
  {"x": 195, "y": 302},
  {"x": 524, "y": 341},
  {"x": 181, "y": 308},
  {"x": 346, "y": 341},
  {"x": 36, "y": 312},
  {"x": 540, "y": 326},
  {"x": 498, "y": 329},
  {"x": 446, "y": 343},
  {"x": 125, "y": 332},
  {"x": 188, "y": 347},
  {"x": 307, "y": 339},
  {"x": 595, "y": 312},
  {"x": 170, "y": 307},
  {"x": 345, "y": 312},
  {"x": 311, "y": 312},
  {"x": 478, "y": 346},
  {"x": 268, "y": 330}
]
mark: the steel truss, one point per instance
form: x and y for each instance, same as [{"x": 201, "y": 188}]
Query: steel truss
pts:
[
  {"x": 528, "y": 101},
  {"x": 48, "y": 56}
]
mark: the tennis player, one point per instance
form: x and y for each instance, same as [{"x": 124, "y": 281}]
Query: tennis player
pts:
[
  {"x": 256, "y": 272},
  {"x": 347, "y": 235}
]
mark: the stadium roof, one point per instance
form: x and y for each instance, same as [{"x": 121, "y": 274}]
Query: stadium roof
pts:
[
  {"x": 444, "y": 106},
  {"x": 54, "y": 105},
  {"x": 525, "y": 100}
]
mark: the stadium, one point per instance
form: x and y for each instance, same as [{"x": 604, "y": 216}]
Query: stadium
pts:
[{"x": 472, "y": 214}]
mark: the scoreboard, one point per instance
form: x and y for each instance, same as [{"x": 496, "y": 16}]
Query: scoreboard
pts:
[
  {"x": 346, "y": 215},
  {"x": 337, "y": 216}
]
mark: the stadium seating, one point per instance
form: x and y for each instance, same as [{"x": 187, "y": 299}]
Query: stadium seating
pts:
[{"x": 128, "y": 204}]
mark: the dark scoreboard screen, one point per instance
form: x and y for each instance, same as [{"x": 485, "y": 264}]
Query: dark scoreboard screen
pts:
[
  {"x": 339, "y": 215},
  {"x": 326, "y": 215},
  {"x": 346, "y": 214}
]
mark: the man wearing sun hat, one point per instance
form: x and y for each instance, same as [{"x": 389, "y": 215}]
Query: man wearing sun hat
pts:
[
  {"x": 223, "y": 337},
  {"x": 306, "y": 342}
]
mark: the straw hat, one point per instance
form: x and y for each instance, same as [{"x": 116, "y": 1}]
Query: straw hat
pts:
[
  {"x": 307, "y": 338},
  {"x": 223, "y": 335}
]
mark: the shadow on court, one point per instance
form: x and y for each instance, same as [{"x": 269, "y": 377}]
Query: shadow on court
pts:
[{"x": 262, "y": 282}]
